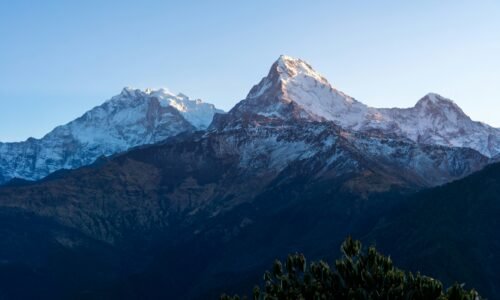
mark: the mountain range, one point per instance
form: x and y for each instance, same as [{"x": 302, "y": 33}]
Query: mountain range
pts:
[
  {"x": 292, "y": 89},
  {"x": 162, "y": 196},
  {"x": 132, "y": 118}
]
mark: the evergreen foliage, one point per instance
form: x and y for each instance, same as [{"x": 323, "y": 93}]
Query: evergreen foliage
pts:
[{"x": 357, "y": 275}]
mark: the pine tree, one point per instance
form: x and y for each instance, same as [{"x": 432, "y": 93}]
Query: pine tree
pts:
[{"x": 357, "y": 275}]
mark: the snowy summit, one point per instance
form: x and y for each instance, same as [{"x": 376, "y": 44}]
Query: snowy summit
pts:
[
  {"x": 293, "y": 89},
  {"x": 132, "y": 118}
]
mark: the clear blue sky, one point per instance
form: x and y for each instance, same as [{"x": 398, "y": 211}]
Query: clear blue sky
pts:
[{"x": 60, "y": 58}]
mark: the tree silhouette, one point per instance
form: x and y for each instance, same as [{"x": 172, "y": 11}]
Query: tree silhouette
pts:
[{"x": 358, "y": 275}]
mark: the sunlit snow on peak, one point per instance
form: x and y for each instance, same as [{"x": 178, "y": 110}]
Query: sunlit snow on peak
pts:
[{"x": 195, "y": 111}]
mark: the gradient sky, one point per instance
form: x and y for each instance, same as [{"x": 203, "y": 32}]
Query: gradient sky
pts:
[{"x": 60, "y": 58}]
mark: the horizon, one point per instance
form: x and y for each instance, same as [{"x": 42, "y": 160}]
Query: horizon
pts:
[{"x": 59, "y": 60}]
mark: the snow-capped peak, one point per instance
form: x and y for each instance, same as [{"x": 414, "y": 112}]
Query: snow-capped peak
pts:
[
  {"x": 436, "y": 99},
  {"x": 127, "y": 92},
  {"x": 435, "y": 106},
  {"x": 195, "y": 111},
  {"x": 289, "y": 67},
  {"x": 134, "y": 117},
  {"x": 293, "y": 89}
]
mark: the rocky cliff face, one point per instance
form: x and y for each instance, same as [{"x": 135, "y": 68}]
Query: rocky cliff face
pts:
[{"x": 132, "y": 118}]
